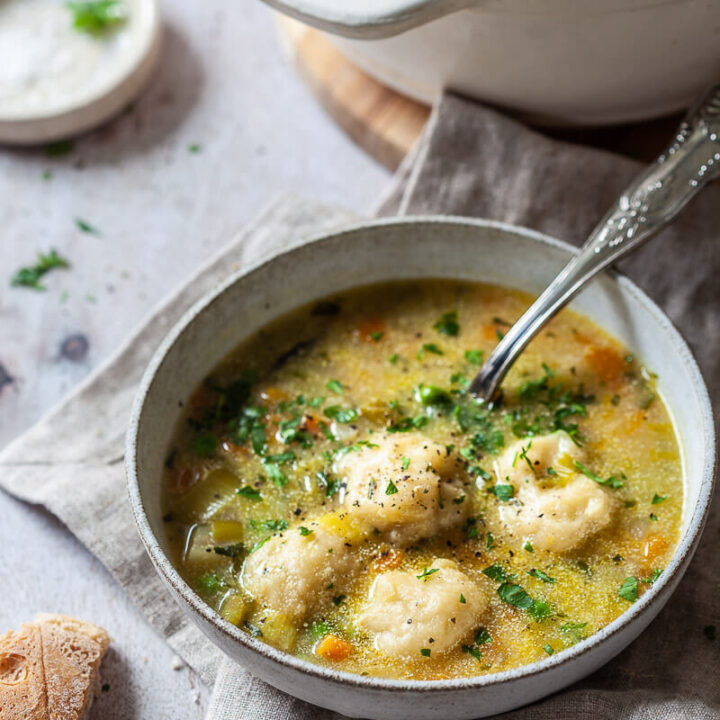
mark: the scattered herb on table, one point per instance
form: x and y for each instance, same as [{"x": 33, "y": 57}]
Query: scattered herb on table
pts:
[
  {"x": 30, "y": 276},
  {"x": 86, "y": 227},
  {"x": 59, "y": 148}
]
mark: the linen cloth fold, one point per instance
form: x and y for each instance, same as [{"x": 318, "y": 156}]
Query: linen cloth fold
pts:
[{"x": 469, "y": 161}]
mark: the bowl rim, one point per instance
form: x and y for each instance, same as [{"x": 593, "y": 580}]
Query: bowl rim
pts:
[{"x": 658, "y": 591}]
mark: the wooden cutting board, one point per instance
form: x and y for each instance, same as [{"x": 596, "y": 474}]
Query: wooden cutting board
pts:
[{"x": 386, "y": 124}]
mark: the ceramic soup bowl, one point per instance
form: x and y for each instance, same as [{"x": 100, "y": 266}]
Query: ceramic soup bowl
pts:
[{"x": 406, "y": 249}]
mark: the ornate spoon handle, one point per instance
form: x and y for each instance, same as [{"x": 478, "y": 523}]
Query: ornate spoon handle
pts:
[{"x": 656, "y": 196}]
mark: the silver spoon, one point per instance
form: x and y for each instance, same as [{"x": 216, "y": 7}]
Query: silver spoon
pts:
[{"x": 650, "y": 203}]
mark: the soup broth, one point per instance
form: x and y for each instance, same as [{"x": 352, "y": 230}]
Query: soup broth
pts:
[{"x": 335, "y": 491}]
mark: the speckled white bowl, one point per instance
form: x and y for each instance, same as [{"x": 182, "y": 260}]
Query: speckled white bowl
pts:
[{"x": 396, "y": 249}]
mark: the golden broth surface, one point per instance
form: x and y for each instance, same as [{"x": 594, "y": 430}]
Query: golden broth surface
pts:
[{"x": 255, "y": 452}]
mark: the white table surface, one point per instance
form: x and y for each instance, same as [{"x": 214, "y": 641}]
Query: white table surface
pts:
[{"x": 161, "y": 210}]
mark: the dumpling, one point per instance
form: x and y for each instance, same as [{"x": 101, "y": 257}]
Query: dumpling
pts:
[
  {"x": 560, "y": 518},
  {"x": 407, "y": 613},
  {"x": 405, "y": 486},
  {"x": 556, "y": 450},
  {"x": 296, "y": 573}
]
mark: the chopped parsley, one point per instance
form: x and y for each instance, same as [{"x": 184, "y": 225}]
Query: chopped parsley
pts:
[
  {"x": 377, "y": 336},
  {"x": 657, "y": 499},
  {"x": 548, "y": 649},
  {"x": 205, "y": 444},
  {"x": 432, "y": 395},
  {"x": 194, "y": 148},
  {"x": 342, "y": 415},
  {"x": 405, "y": 463},
  {"x": 335, "y": 386},
  {"x": 612, "y": 481},
  {"x": 425, "y": 652},
  {"x": 463, "y": 601},
  {"x": 482, "y": 637},
  {"x": 448, "y": 324},
  {"x": 474, "y": 357},
  {"x": 97, "y": 17},
  {"x": 496, "y": 572},
  {"x": 528, "y": 546},
  {"x": 629, "y": 589},
  {"x": 209, "y": 583},
  {"x": 391, "y": 488},
  {"x": 338, "y": 599},
  {"x": 275, "y": 473},
  {"x": 304, "y": 531},
  {"x": 274, "y": 525},
  {"x": 540, "y": 575},
  {"x": 409, "y": 423},
  {"x": 231, "y": 551},
  {"x": 426, "y": 573},
  {"x": 429, "y": 348},
  {"x": 502, "y": 492},
  {"x": 86, "y": 227},
  {"x": 30, "y": 276},
  {"x": 471, "y": 650},
  {"x": 393, "y": 359},
  {"x": 249, "y": 492},
  {"x": 514, "y": 595},
  {"x": 489, "y": 541}
]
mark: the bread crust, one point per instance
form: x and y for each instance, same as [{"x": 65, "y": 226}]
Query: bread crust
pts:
[{"x": 49, "y": 669}]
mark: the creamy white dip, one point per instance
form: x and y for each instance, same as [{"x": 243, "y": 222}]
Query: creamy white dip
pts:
[{"x": 47, "y": 66}]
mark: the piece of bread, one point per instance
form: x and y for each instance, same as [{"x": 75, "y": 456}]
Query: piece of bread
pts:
[
  {"x": 49, "y": 670},
  {"x": 22, "y": 677}
]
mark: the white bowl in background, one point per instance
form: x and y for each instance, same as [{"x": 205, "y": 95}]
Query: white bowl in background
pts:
[{"x": 393, "y": 250}]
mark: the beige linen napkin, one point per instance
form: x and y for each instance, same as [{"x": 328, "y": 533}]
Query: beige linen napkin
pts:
[{"x": 470, "y": 161}]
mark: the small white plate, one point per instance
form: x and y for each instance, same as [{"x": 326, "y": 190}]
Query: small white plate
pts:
[{"x": 120, "y": 64}]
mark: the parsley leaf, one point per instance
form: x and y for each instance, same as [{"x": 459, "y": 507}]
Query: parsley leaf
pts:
[
  {"x": 335, "y": 386},
  {"x": 391, "y": 488},
  {"x": 86, "y": 227},
  {"x": 97, "y": 16},
  {"x": 515, "y": 595},
  {"x": 496, "y": 572},
  {"x": 502, "y": 492},
  {"x": 426, "y": 573},
  {"x": 629, "y": 589},
  {"x": 205, "y": 444},
  {"x": 304, "y": 531},
  {"x": 342, "y": 415},
  {"x": 429, "y": 348},
  {"x": 30, "y": 276},
  {"x": 474, "y": 357},
  {"x": 612, "y": 481},
  {"x": 425, "y": 652},
  {"x": 540, "y": 575},
  {"x": 275, "y": 473},
  {"x": 657, "y": 499},
  {"x": 448, "y": 324},
  {"x": 249, "y": 492}
]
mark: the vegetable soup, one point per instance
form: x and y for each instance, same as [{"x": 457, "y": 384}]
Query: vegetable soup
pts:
[{"x": 335, "y": 491}]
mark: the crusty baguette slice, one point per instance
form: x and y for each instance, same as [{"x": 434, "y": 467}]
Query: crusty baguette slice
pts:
[
  {"x": 22, "y": 676},
  {"x": 72, "y": 653}
]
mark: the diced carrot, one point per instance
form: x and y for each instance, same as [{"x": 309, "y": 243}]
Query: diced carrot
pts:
[
  {"x": 311, "y": 424},
  {"x": 653, "y": 551},
  {"x": 274, "y": 395},
  {"x": 332, "y": 647},
  {"x": 582, "y": 339},
  {"x": 633, "y": 422},
  {"x": 182, "y": 480},
  {"x": 389, "y": 559},
  {"x": 490, "y": 332},
  {"x": 370, "y": 330},
  {"x": 605, "y": 362}
]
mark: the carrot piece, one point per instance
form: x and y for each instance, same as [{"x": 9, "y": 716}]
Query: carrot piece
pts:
[
  {"x": 389, "y": 559},
  {"x": 274, "y": 395},
  {"x": 490, "y": 332},
  {"x": 371, "y": 330},
  {"x": 332, "y": 647},
  {"x": 605, "y": 362},
  {"x": 311, "y": 424}
]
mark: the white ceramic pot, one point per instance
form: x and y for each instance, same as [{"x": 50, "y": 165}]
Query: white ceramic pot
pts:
[
  {"x": 397, "y": 249},
  {"x": 557, "y": 61}
]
